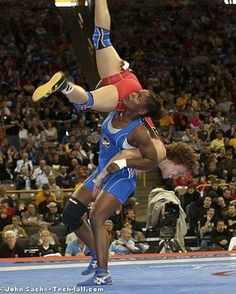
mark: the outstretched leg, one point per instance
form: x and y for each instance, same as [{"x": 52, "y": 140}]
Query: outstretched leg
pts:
[
  {"x": 108, "y": 60},
  {"x": 103, "y": 99}
]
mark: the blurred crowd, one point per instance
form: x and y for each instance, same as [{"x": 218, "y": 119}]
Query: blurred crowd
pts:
[{"x": 185, "y": 53}]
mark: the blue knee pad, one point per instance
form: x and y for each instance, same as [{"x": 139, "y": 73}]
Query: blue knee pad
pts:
[
  {"x": 101, "y": 38},
  {"x": 87, "y": 105},
  {"x": 72, "y": 213}
]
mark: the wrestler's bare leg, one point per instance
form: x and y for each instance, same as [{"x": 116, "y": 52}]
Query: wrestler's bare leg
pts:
[
  {"x": 108, "y": 64},
  {"x": 108, "y": 60}
]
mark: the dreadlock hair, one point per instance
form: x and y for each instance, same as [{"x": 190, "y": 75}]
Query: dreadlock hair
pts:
[
  {"x": 154, "y": 113},
  {"x": 154, "y": 106},
  {"x": 182, "y": 153}
]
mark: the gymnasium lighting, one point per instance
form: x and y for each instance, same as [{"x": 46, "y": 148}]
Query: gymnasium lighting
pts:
[{"x": 64, "y": 3}]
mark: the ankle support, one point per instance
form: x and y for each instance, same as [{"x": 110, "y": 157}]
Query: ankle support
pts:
[
  {"x": 101, "y": 38},
  {"x": 87, "y": 105}
]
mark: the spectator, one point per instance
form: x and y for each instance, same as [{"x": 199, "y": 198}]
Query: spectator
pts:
[
  {"x": 24, "y": 162},
  {"x": 44, "y": 195},
  {"x": 70, "y": 237},
  {"x": 227, "y": 164},
  {"x": 24, "y": 180},
  {"x": 43, "y": 178},
  {"x": 227, "y": 195},
  {"x": 12, "y": 130},
  {"x": 39, "y": 170},
  {"x": 56, "y": 189},
  {"x": 130, "y": 218},
  {"x": 55, "y": 161},
  {"x": 4, "y": 218},
  {"x": 30, "y": 217},
  {"x": 218, "y": 142},
  {"x": 197, "y": 212},
  {"x": 53, "y": 217},
  {"x": 180, "y": 121},
  {"x": 4, "y": 196},
  {"x": 207, "y": 223},
  {"x": 215, "y": 188},
  {"x": 125, "y": 244},
  {"x": 73, "y": 171},
  {"x": 15, "y": 227},
  {"x": 20, "y": 207},
  {"x": 23, "y": 134},
  {"x": 221, "y": 207},
  {"x": 50, "y": 132},
  {"x": 6, "y": 173},
  {"x": 205, "y": 156},
  {"x": 212, "y": 171},
  {"x": 10, "y": 210},
  {"x": 191, "y": 196},
  {"x": 111, "y": 233},
  {"x": 36, "y": 239},
  {"x": 232, "y": 141},
  {"x": 118, "y": 219},
  {"x": 10, "y": 247},
  {"x": 138, "y": 238},
  {"x": 225, "y": 104},
  {"x": 37, "y": 138},
  {"x": 220, "y": 235},
  {"x": 231, "y": 218},
  {"x": 43, "y": 208},
  {"x": 46, "y": 248},
  {"x": 76, "y": 248},
  {"x": 62, "y": 180}
]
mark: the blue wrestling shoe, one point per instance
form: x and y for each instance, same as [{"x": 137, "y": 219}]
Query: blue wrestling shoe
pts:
[
  {"x": 92, "y": 267},
  {"x": 101, "y": 277}
]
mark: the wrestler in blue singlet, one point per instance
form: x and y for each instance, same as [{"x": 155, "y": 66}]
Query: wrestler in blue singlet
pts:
[{"x": 123, "y": 182}]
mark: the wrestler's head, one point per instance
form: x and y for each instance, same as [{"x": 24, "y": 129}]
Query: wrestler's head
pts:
[
  {"x": 180, "y": 160},
  {"x": 147, "y": 101}
]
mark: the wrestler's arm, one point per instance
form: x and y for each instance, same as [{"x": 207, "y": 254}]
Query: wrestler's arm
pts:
[
  {"x": 125, "y": 154},
  {"x": 149, "y": 158},
  {"x": 135, "y": 154},
  {"x": 141, "y": 139},
  {"x": 128, "y": 154}
]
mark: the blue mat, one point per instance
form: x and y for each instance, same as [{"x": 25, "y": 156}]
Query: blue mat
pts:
[{"x": 177, "y": 275}]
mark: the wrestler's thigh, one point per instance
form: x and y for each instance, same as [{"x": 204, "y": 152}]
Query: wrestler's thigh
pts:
[{"x": 108, "y": 62}]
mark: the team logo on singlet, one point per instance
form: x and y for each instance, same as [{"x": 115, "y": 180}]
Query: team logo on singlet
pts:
[{"x": 105, "y": 142}]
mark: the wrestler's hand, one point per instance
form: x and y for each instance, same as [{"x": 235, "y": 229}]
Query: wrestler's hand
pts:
[
  {"x": 112, "y": 167},
  {"x": 97, "y": 186},
  {"x": 98, "y": 183}
]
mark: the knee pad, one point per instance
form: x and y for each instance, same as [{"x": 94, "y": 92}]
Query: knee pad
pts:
[
  {"x": 87, "y": 105},
  {"x": 101, "y": 38},
  {"x": 73, "y": 212}
]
